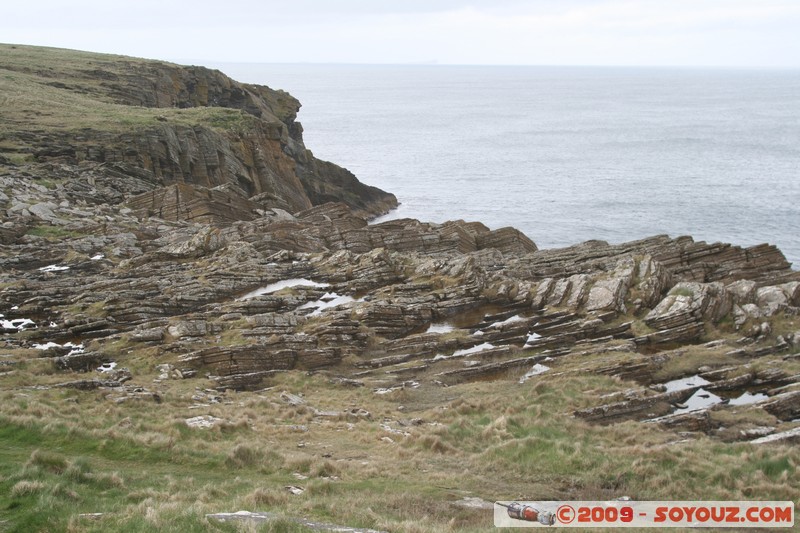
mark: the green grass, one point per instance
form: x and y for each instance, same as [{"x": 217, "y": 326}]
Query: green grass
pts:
[
  {"x": 64, "y": 452},
  {"x": 16, "y": 158},
  {"x": 70, "y": 473},
  {"x": 52, "y": 233},
  {"x": 30, "y": 100},
  {"x": 55, "y": 90}
]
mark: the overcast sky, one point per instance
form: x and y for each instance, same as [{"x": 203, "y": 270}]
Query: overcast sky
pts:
[{"x": 738, "y": 33}]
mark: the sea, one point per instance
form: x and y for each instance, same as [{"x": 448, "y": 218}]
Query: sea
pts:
[{"x": 564, "y": 154}]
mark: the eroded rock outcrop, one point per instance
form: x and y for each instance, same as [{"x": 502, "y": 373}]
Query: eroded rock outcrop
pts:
[
  {"x": 230, "y": 255},
  {"x": 320, "y": 288},
  {"x": 156, "y": 124}
]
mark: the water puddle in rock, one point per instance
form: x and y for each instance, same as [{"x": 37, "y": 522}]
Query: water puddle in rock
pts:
[
  {"x": 748, "y": 398},
  {"x": 703, "y": 399},
  {"x": 284, "y": 284},
  {"x": 685, "y": 383},
  {"x": 485, "y": 316}
]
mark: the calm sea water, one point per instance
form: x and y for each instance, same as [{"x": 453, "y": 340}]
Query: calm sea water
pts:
[{"x": 565, "y": 154}]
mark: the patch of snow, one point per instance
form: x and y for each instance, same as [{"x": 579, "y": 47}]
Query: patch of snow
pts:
[
  {"x": 46, "y": 346},
  {"x": 475, "y": 349},
  {"x": 15, "y": 308},
  {"x": 440, "y": 328},
  {"x": 53, "y": 268},
  {"x": 97, "y": 257},
  {"x": 53, "y": 325},
  {"x": 532, "y": 337},
  {"x": 76, "y": 348},
  {"x": 328, "y": 301},
  {"x": 465, "y": 352},
  {"x": 477, "y": 333},
  {"x": 515, "y": 318},
  {"x": 18, "y": 323},
  {"x": 284, "y": 284},
  {"x": 534, "y": 371}
]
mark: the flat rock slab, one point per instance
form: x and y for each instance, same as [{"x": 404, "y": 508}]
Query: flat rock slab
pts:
[
  {"x": 472, "y": 502},
  {"x": 262, "y": 517},
  {"x": 786, "y": 437},
  {"x": 203, "y": 421}
]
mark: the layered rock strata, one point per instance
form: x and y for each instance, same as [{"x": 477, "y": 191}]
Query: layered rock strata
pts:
[{"x": 217, "y": 254}]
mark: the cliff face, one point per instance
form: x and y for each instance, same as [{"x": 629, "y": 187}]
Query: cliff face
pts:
[{"x": 168, "y": 124}]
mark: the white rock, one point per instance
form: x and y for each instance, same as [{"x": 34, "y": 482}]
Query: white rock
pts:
[
  {"x": 203, "y": 421},
  {"x": 53, "y": 268},
  {"x": 791, "y": 435}
]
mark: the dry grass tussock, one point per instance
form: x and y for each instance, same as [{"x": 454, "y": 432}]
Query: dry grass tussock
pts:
[{"x": 25, "y": 487}]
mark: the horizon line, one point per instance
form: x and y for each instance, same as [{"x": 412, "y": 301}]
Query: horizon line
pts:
[
  {"x": 499, "y": 65},
  {"x": 421, "y": 63}
]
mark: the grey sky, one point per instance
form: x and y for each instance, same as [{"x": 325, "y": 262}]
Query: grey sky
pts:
[{"x": 759, "y": 33}]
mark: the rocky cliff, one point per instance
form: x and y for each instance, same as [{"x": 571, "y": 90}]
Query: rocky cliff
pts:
[
  {"x": 148, "y": 124},
  {"x": 198, "y": 247}
]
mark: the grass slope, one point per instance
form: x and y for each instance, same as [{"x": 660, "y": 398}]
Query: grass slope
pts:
[{"x": 67, "y": 453}]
